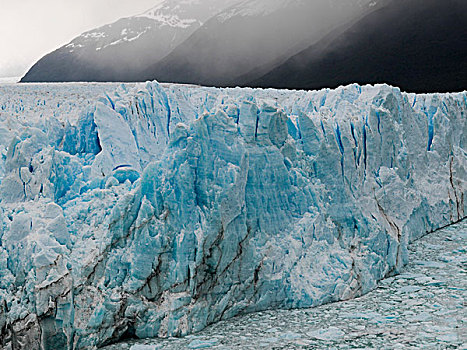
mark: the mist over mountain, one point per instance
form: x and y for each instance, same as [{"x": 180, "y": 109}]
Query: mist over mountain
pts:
[
  {"x": 119, "y": 51},
  {"x": 418, "y": 45},
  {"x": 251, "y": 38}
]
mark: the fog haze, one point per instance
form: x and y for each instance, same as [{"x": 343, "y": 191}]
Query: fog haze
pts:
[{"x": 31, "y": 28}]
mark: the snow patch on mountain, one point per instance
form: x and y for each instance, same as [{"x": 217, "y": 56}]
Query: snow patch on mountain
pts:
[
  {"x": 167, "y": 14},
  {"x": 183, "y": 13},
  {"x": 178, "y": 14}
]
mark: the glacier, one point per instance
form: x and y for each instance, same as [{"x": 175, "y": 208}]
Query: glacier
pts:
[{"x": 149, "y": 210}]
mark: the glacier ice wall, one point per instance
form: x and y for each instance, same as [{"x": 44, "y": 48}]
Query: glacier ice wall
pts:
[{"x": 159, "y": 210}]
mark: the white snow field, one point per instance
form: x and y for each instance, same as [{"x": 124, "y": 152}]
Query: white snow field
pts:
[{"x": 142, "y": 210}]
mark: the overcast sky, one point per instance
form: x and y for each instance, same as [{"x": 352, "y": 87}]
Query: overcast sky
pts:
[{"x": 31, "y": 28}]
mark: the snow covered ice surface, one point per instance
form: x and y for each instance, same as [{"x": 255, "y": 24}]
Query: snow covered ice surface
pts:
[
  {"x": 153, "y": 211},
  {"x": 422, "y": 308},
  {"x": 32, "y": 102}
]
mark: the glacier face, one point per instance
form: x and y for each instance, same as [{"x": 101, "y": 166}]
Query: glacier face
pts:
[{"x": 157, "y": 210}]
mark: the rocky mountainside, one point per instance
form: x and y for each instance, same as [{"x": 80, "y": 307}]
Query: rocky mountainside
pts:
[
  {"x": 249, "y": 39},
  {"x": 118, "y": 51},
  {"x": 418, "y": 45}
]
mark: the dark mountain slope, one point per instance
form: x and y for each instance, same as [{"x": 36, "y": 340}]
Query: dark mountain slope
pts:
[
  {"x": 103, "y": 55},
  {"x": 418, "y": 45}
]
